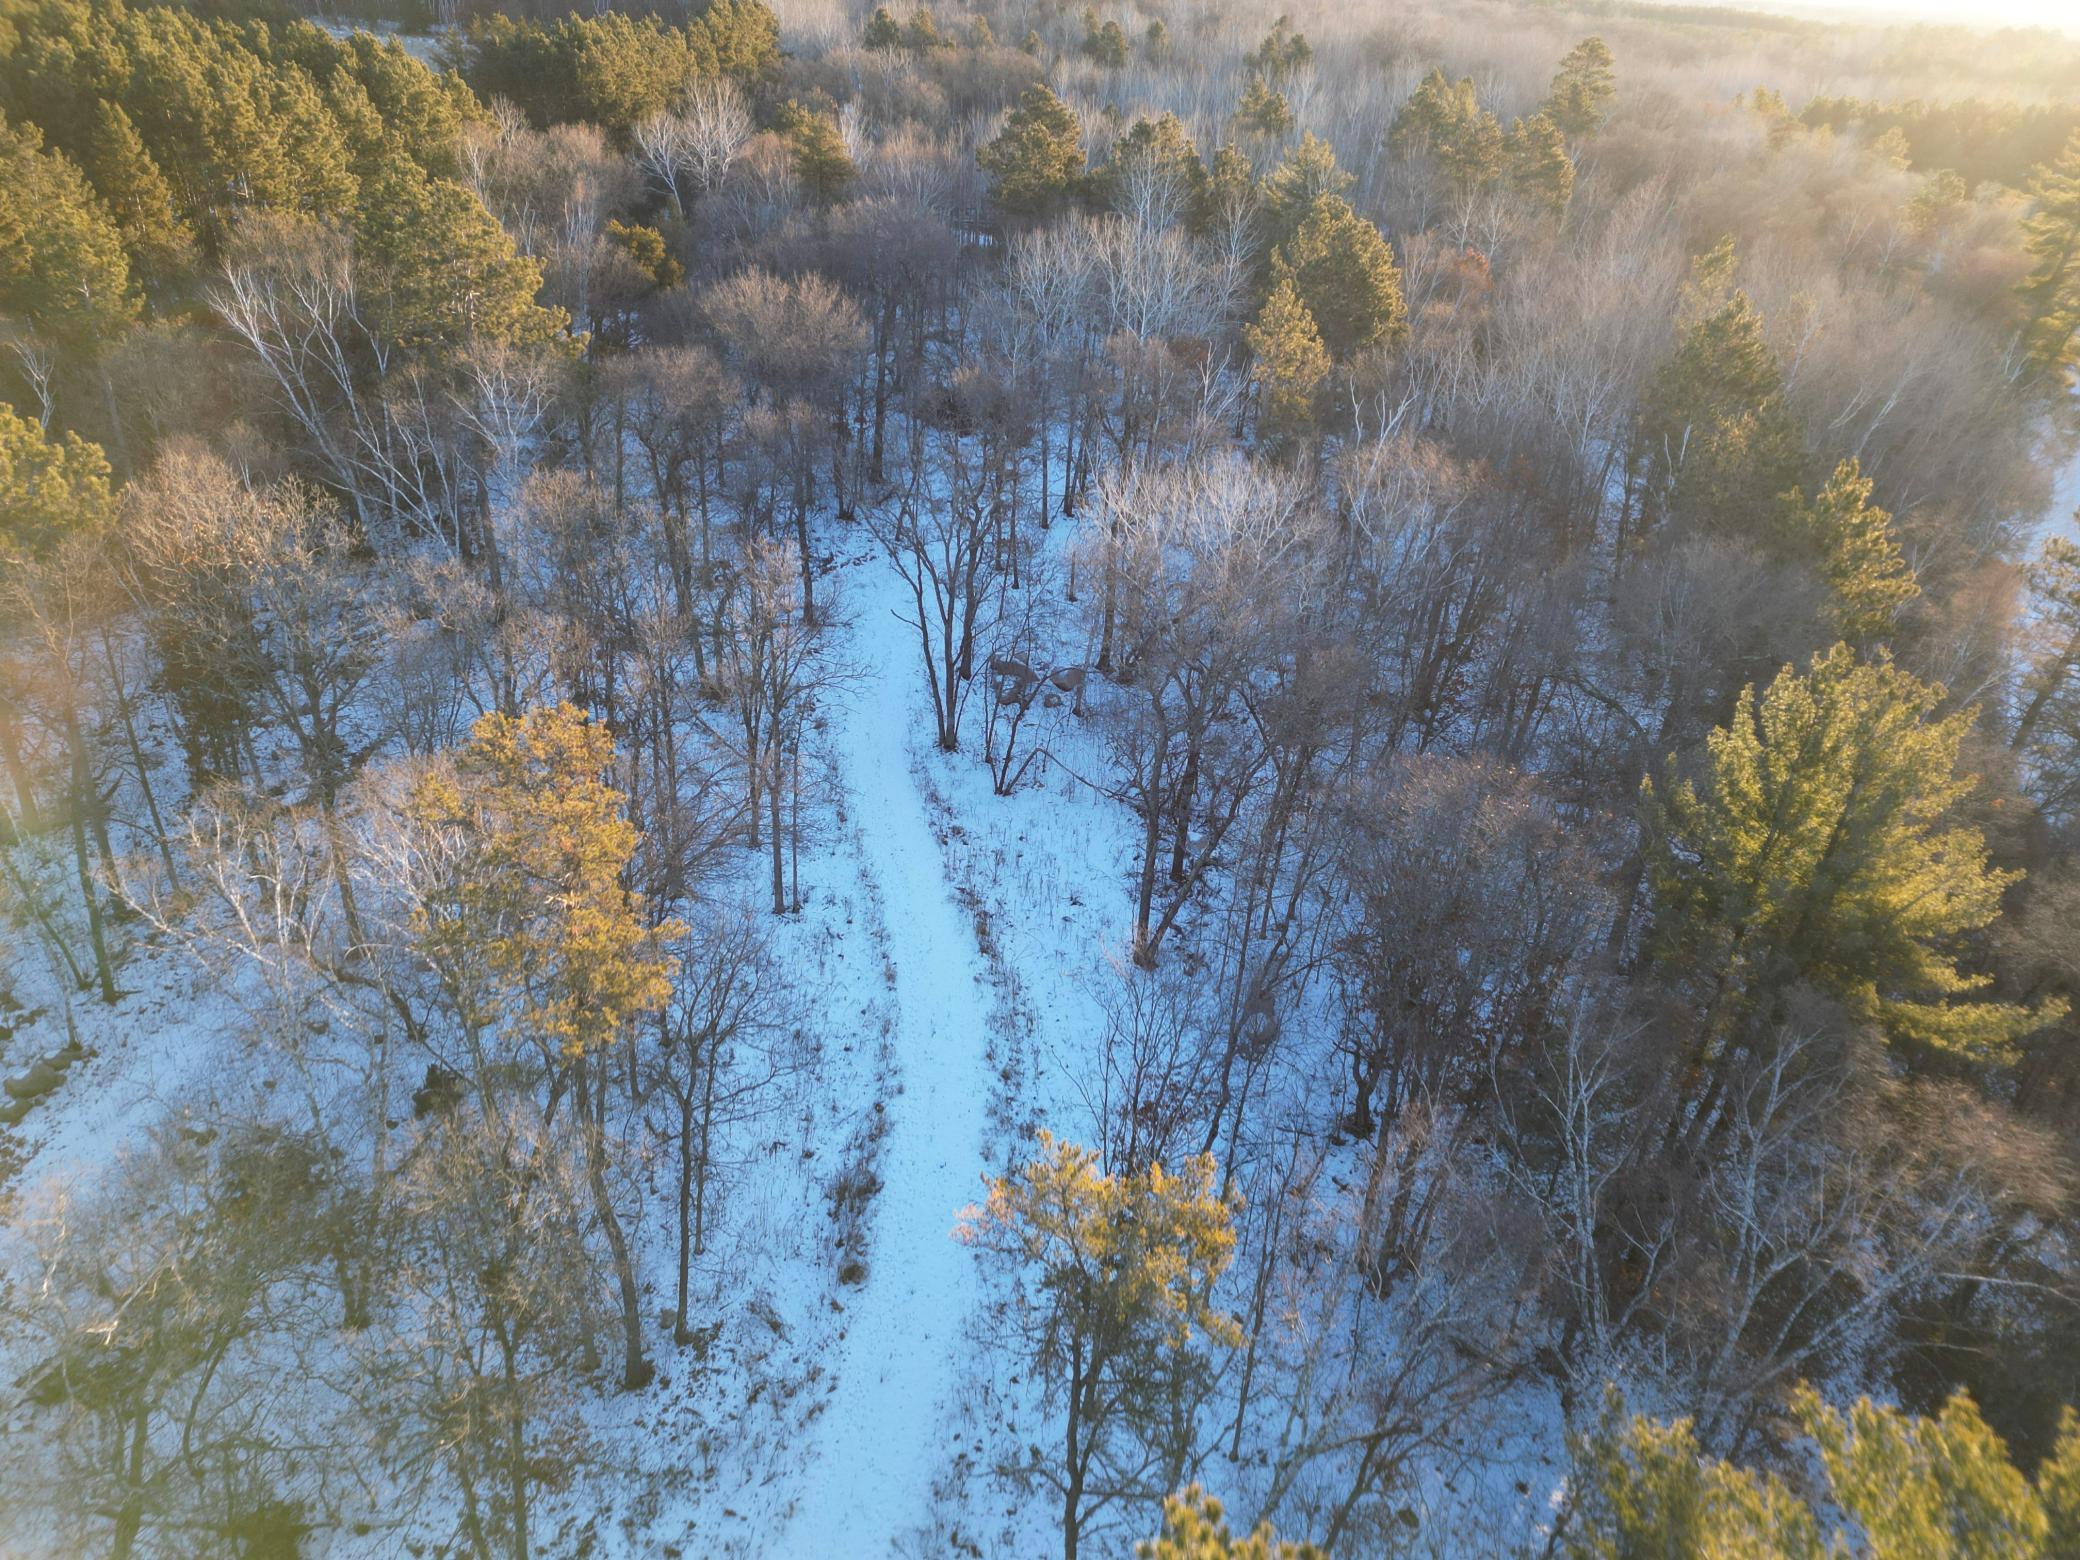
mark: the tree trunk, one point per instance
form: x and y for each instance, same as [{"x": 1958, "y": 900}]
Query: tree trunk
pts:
[
  {"x": 516, "y": 1444},
  {"x": 680, "y": 1334},
  {"x": 17, "y": 770},
  {"x": 1075, "y": 1455},
  {"x": 104, "y": 972},
  {"x": 131, "y": 1516},
  {"x": 636, "y": 1371},
  {"x": 779, "y": 845}
]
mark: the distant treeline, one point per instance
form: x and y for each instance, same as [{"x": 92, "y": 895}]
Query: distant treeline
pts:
[
  {"x": 1698, "y": 15},
  {"x": 1981, "y": 140}
]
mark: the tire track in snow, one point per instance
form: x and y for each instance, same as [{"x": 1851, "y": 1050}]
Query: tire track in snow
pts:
[{"x": 886, "y": 1432}]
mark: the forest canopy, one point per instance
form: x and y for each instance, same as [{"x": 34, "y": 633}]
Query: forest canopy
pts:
[{"x": 836, "y": 778}]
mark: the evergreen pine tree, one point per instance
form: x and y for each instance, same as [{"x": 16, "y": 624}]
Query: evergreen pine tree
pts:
[
  {"x": 62, "y": 265},
  {"x": 1444, "y": 121},
  {"x": 2054, "y": 582},
  {"x": 1815, "y": 849},
  {"x": 1941, "y": 1485},
  {"x": 1157, "y": 149},
  {"x": 1540, "y": 171},
  {"x": 1307, "y": 172},
  {"x": 1120, "y": 1269},
  {"x": 1716, "y": 443},
  {"x": 921, "y": 33},
  {"x": 1263, "y": 109},
  {"x": 49, "y": 489},
  {"x": 310, "y": 148},
  {"x": 1849, "y": 541},
  {"x": 1231, "y": 184},
  {"x": 1344, "y": 273},
  {"x": 1640, "y": 1490},
  {"x": 2058, "y": 1487},
  {"x": 441, "y": 272},
  {"x": 1104, "y": 44},
  {"x": 2051, "y": 292},
  {"x": 1290, "y": 365},
  {"x": 160, "y": 245},
  {"x": 1036, "y": 161},
  {"x": 1196, "y": 1528},
  {"x": 1894, "y": 1485},
  {"x": 1285, "y": 49},
  {"x": 1943, "y": 194},
  {"x": 647, "y": 250},
  {"x": 822, "y": 165},
  {"x": 1583, "y": 90},
  {"x": 535, "y": 934}
]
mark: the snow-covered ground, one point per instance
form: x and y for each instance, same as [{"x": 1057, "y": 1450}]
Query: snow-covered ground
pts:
[
  {"x": 882, "y": 1440},
  {"x": 2063, "y": 516},
  {"x": 957, "y": 950}
]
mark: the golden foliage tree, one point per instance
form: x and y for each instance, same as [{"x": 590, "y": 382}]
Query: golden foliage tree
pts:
[
  {"x": 1912, "y": 1488},
  {"x": 1195, "y": 1528},
  {"x": 538, "y": 905},
  {"x": 1114, "y": 1307},
  {"x": 530, "y": 929}
]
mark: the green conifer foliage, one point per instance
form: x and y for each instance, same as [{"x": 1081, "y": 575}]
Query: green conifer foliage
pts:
[
  {"x": 441, "y": 271},
  {"x": 1290, "y": 365},
  {"x": 1156, "y": 149},
  {"x": 49, "y": 488},
  {"x": 161, "y": 246},
  {"x": 1540, "y": 171},
  {"x": 1342, "y": 270},
  {"x": 1036, "y": 161},
  {"x": 1848, "y": 539},
  {"x": 1103, "y": 43},
  {"x": 1444, "y": 121},
  {"x": 883, "y": 31},
  {"x": 2051, "y": 292},
  {"x": 1642, "y": 1490},
  {"x": 63, "y": 269},
  {"x": 1815, "y": 847},
  {"x": 822, "y": 165},
  {"x": 1196, "y": 1528},
  {"x": 1896, "y": 1486},
  {"x": 1263, "y": 109},
  {"x": 1307, "y": 172},
  {"x": 1583, "y": 90},
  {"x": 615, "y": 70},
  {"x": 1716, "y": 443},
  {"x": 1284, "y": 51}
]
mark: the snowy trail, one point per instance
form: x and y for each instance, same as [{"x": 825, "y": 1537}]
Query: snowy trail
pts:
[{"x": 886, "y": 1432}]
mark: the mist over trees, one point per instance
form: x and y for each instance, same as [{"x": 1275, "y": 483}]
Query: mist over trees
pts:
[{"x": 1487, "y": 623}]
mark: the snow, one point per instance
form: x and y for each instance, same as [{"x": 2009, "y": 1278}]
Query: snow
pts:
[
  {"x": 880, "y": 1444},
  {"x": 2062, "y": 517},
  {"x": 956, "y": 954},
  {"x": 423, "y": 47}
]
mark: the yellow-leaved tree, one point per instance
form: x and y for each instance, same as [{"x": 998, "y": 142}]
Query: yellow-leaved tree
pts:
[
  {"x": 526, "y": 922},
  {"x": 1113, "y": 1308},
  {"x": 1195, "y": 1528},
  {"x": 1906, "y": 1488}
]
